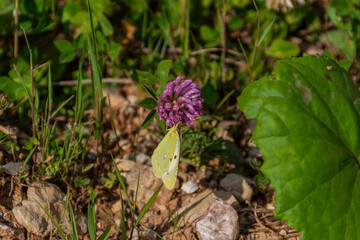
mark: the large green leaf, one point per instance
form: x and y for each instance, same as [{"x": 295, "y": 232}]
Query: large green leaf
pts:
[{"x": 308, "y": 129}]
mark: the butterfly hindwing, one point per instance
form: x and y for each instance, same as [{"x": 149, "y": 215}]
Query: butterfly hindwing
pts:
[
  {"x": 164, "y": 152},
  {"x": 169, "y": 177}
]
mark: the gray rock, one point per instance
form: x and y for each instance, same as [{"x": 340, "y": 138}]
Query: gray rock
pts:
[
  {"x": 12, "y": 168},
  {"x": 143, "y": 158},
  {"x": 198, "y": 206},
  {"x": 91, "y": 156},
  {"x": 190, "y": 187},
  {"x": 239, "y": 186},
  {"x": 219, "y": 223},
  {"x": 36, "y": 221},
  {"x": 46, "y": 192}
]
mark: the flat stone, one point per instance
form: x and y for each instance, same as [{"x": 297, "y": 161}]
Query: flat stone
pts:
[
  {"x": 190, "y": 187},
  {"x": 239, "y": 186},
  {"x": 44, "y": 191},
  {"x": 219, "y": 223},
  {"x": 35, "y": 220},
  {"x": 198, "y": 206},
  {"x": 12, "y": 168}
]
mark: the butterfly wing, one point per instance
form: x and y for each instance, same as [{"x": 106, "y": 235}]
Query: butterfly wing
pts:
[
  {"x": 169, "y": 177},
  {"x": 164, "y": 152}
]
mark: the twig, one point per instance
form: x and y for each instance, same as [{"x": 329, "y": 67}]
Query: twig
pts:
[
  {"x": 207, "y": 50},
  {"x": 262, "y": 225},
  {"x": 63, "y": 83}
]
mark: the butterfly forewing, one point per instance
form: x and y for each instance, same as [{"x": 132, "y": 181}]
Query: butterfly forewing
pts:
[
  {"x": 169, "y": 177},
  {"x": 164, "y": 152}
]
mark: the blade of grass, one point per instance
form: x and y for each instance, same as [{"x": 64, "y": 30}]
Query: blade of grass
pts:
[
  {"x": 122, "y": 184},
  {"x": 224, "y": 100},
  {"x": 91, "y": 220},
  {"x": 73, "y": 223},
  {"x": 61, "y": 106},
  {"x": 92, "y": 27},
  {"x": 175, "y": 220},
  {"x": 95, "y": 68},
  {"x": 110, "y": 220},
  {"x": 78, "y": 100},
  {"x": 91, "y": 223},
  {"x": 52, "y": 220},
  {"x": 136, "y": 191},
  {"x": 243, "y": 51},
  {"x": 26, "y": 160},
  {"x": 147, "y": 206},
  {"x": 114, "y": 127},
  {"x": 97, "y": 80},
  {"x": 266, "y": 31},
  {"x": 23, "y": 84},
  {"x": 143, "y": 29},
  {"x": 187, "y": 29},
  {"x": 50, "y": 93},
  {"x": 158, "y": 235},
  {"x": 122, "y": 219},
  {"x": 105, "y": 234},
  {"x": 256, "y": 39}
]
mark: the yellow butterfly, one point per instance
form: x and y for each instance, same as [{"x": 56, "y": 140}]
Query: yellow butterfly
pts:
[{"x": 165, "y": 159}]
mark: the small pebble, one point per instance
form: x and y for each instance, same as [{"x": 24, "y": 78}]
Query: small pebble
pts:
[
  {"x": 142, "y": 158},
  {"x": 132, "y": 99},
  {"x": 130, "y": 156},
  {"x": 12, "y": 168},
  {"x": 213, "y": 184},
  {"x": 91, "y": 156},
  {"x": 112, "y": 136},
  {"x": 190, "y": 187}
]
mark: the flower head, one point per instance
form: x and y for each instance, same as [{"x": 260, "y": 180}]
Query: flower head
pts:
[{"x": 180, "y": 102}]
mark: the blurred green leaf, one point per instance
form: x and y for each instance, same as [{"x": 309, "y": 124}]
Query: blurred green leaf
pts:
[
  {"x": 105, "y": 25},
  {"x": 146, "y": 77},
  {"x": 345, "y": 64},
  {"x": 210, "y": 96},
  {"x": 15, "y": 90},
  {"x": 283, "y": 49},
  {"x": 67, "y": 57},
  {"x": 162, "y": 72},
  {"x": 148, "y": 103},
  {"x": 3, "y": 82},
  {"x": 209, "y": 34},
  {"x": 64, "y": 46},
  {"x": 149, "y": 118},
  {"x": 342, "y": 41}
]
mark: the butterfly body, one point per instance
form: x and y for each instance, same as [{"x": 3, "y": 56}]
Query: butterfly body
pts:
[{"x": 166, "y": 156}]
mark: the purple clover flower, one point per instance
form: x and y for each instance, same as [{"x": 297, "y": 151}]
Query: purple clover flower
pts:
[{"x": 180, "y": 102}]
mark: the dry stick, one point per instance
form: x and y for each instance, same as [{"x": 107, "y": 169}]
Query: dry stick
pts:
[
  {"x": 32, "y": 93},
  {"x": 63, "y": 83},
  {"x": 206, "y": 50},
  {"x": 262, "y": 225}
]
